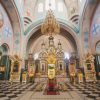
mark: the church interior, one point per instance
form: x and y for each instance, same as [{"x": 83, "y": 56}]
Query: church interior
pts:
[{"x": 49, "y": 49}]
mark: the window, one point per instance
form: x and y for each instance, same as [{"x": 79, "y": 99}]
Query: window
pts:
[
  {"x": 66, "y": 55},
  {"x": 36, "y": 56},
  {"x": 98, "y": 47},
  {"x": 20, "y": 1},
  {"x": 50, "y": 4},
  {"x": 60, "y": 6},
  {"x": 80, "y": 0},
  {"x": 40, "y": 7}
]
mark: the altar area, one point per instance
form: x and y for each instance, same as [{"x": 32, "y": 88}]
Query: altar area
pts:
[{"x": 49, "y": 66}]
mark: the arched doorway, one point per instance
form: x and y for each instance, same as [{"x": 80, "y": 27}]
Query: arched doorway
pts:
[
  {"x": 5, "y": 49},
  {"x": 5, "y": 63},
  {"x": 97, "y": 60},
  {"x": 98, "y": 47}
]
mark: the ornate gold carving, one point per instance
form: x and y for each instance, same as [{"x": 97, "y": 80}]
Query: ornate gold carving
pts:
[
  {"x": 51, "y": 58},
  {"x": 50, "y": 25},
  {"x": 15, "y": 68}
]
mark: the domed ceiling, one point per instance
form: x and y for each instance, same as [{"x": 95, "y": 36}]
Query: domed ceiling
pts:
[{"x": 63, "y": 9}]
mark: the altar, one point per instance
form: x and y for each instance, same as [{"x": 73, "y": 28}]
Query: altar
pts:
[{"x": 51, "y": 53}]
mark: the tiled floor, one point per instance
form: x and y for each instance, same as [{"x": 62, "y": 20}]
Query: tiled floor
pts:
[{"x": 22, "y": 91}]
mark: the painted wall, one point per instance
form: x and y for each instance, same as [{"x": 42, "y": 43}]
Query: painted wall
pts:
[
  {"x": 31, "y": 9},
  {"x": 95, "y": 29},
  {"x": 86, "y": 25},
  {"x": 6, "y": 32}
]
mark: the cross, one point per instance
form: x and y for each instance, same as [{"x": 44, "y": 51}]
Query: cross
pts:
[
  {"x": 7, "y": 31},
  {"x": 95, "y": 27}
]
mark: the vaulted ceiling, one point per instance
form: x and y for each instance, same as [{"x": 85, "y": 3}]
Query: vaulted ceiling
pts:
[
  {"x": 71, "y": 10},
  {"x": 75, "y": 16}
]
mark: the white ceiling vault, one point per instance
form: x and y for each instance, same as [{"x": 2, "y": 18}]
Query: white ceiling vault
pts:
[{"x": 64, "y": 9}]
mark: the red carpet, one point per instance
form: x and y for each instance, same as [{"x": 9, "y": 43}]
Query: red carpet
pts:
[{"x": 51, "y": 92}]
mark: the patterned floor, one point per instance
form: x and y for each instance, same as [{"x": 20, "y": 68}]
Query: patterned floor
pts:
[
  {"x": 87, "y": 90},
  {"x": 8, "y": 91}
]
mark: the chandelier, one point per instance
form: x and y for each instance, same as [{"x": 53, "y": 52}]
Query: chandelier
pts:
[{"x": 50, "y": 25}]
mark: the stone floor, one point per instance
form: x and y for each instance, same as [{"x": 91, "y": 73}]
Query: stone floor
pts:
[{"x": 27, "y": 91}]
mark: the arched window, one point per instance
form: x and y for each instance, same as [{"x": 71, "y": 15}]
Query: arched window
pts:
[
  {"x": 20, "y": 1},
  {"x": 36, "y": 56},
  {"x": 5, "y": 49},
  {"x": 66, "y": 55},
  {"x": 80, "y": 0},
  {"x": 60, "y": 6},
  {"x": 98, "y": 48},
  {"x": 40, "y": 7},
  {"x": 50, "y": 4}
]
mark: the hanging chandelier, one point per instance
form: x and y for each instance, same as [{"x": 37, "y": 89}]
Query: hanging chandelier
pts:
[{"x": 50, "y": 25}]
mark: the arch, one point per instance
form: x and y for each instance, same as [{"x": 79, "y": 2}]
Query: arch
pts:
[
  {"x": 68, "y": 27},
  {"x": 5, "y": 49},
  {"x": 5, "y": 61},
  {"x": 84, "y": 34},
  {"x": 13, "y": 13},
  {"x": 97, "y": 47},
  {"x": 38, "y": 23},
  {"x": 81, "y": 20}
]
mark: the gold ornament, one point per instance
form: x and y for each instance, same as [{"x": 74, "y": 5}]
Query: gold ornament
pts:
[{"x": 50, "y": 25}]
